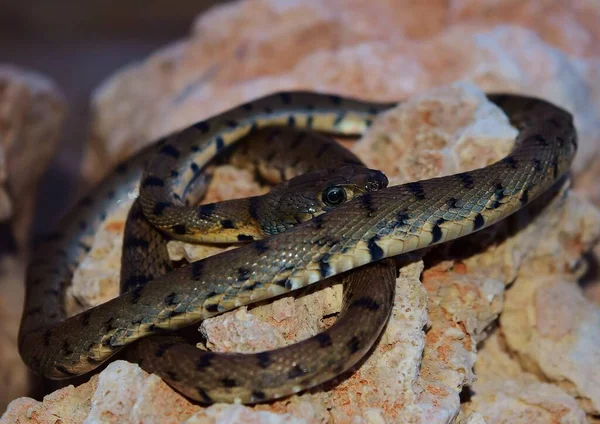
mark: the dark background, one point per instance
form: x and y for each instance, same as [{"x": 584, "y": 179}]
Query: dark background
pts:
[{"x": 78, "y": 44}]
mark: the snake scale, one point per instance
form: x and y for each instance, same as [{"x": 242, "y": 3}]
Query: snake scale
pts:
[{"x": 376, "y": 225}]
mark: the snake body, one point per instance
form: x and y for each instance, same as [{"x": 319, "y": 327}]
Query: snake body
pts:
[{"x": 377, "y": 225}]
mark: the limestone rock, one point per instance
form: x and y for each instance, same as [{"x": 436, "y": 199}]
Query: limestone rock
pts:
[
  {"x": 32, "y": 111},
  {"x": 377, "y": 53},
  {"x": 504, "y": 392}
]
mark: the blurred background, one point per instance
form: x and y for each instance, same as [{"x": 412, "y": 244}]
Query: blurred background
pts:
[{"x": 79, "y": 44}]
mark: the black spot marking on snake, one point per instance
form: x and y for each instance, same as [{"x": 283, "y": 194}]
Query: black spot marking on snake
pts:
[
  {"x": 169, "y": 150},
  {"x": 153, "y": 182},
  {"x": 197, "y": 270},
  {"x": 248, "y": 106},
  {"x": 160, "y": 207},
  {"x": 82, "y": 225},
  {"x": 206, "y": 211},
  {"x": 203, "y": 127},
  {"x": 84, "y": 246},
  {"x": 243, "y": 274},
  {"x": 136, "y": 293},
  {"x": 324, "y": 340},
  {"x": 467, "y": 180},
  {"x": 171, "y": 299},
  {"x": 318, "y": 222},
  {"x": 195, "y": 149},
  {"x": 258, "y": 395},
  {"x": 162, "y": 349},
  {"x": 324, "y": 266},
  {"x": 478, "y": 222},
  {"x": 451, "y": 203},
  {"x": 231, "y": 123},
  {"x": 336, "y": 100},
  {"x": 561, "y": 141},
  {"x": 173, "y": 376},
  {"x": 291, "y": 121},
  {"x": 174, "y": 174},
  {"x": 540, "y": 140},
  {"x": 67, "y": 348},
  {"x": 228, "y": 382},
  {"x": 219, "y": 143},
  {"x": 194, "y": 167},
  {"x": 47, "y": 337},
  {"x": 339, "y": 118},
  {"x": 365, "y": 302},
  {"x": 111, "y": 194},
  {"x": 102, "y": 216},
  {"x": 203, "y": 395},
  {"x": 85, "y": 318},
  {"x": 212, "y": 308},
  {"x": 108, "y": 324},
  {"x": 537, "y": 165},
  {"x": 179, "y": 229},
  {"x": 354, "y": 344},
  {"x": 555, "y": 169},
  {"x": 245, "y": 237},
  {"x": 268, "y": 110},
  {"x": 416, "y": 188},
  {"x": 309, "y": 121},
  {"x": 286, "y": 284},
  {"x": 253, "y": 207},
  {"x": 524, "y": 199},
  {"x": 510, "y": 161},
  {"x": 205, "y": 361},
  {"x": 286, "y": 98},
  {"x": 264, "y": 359},
  {"x": 436, "y": 231},
  {"x": 227, "y": 224},
  {"x": 261, "y": 246},
  {"x": 374, "y": 250},
  {"x": 64, "y": 370},
  {"x": 366, "y": 200},
  {"x": 137, "y": 242},
  {"x": 297, "y": 140},
  {"x": 295, "y": 372},
  {"x": 499, "y": 192},
  {"x": 252, "y": 287}
]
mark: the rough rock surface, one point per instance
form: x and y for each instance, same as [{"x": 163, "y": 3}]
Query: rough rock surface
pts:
[
  {"x": 32, "y": 111},
  {"x": 247, "y": 49}
]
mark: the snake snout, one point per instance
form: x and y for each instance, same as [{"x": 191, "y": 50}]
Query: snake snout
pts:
[{"x": 377, "y": 180}]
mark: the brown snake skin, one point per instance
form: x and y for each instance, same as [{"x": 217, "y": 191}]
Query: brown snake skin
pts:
[{"x": 376, "y": 225}]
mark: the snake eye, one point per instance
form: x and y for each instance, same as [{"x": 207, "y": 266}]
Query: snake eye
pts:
[{"x": 334, "y": 195}]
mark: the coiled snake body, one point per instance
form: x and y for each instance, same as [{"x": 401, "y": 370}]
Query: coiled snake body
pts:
[{"x": 377, "y": 224}]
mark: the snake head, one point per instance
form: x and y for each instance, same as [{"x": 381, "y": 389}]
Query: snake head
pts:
[{"x": 309, "y": 195}]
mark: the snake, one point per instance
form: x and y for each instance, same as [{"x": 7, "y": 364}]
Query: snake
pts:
[{"x": 365, "y": 231}]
